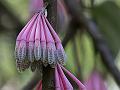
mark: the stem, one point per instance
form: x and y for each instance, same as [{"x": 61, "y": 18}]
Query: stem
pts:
[
  {"x": 48, "y": 72},
  {"x": 52, "y": 13},
  {"x": 48, "y": 78}
]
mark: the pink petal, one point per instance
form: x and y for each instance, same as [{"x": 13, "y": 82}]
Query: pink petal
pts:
[
  {"x": 88, "y": 84},
  {"x": 39, "y": 86},
  {"x": 28, "y": 25},
  {"x": 80, "y": 85},
  {"x": 32, "y": 34},
  {"x": 38, "y": 27},
  {"x": 60, "y": 51},
  {"x": 50, "y": 43},
  {"x": 61, "y": 83},
  {"x": 21, "y": 40},
  {"x": 95, "y": 82},
  {"x": 98, "y": 81},
  {"x": 22, "y": 50},
  {"x": 57, "y": 81},
  {"x": 54, "y": 34},
  {"x": 43, "y": 38},
  {"x": 43, "y": 43},
  {"x": 48, "y": 35},
  {"x": 30, "y": 41},
  {"x": 65, "y": 81},
  {"x": 37, "y": 47}
]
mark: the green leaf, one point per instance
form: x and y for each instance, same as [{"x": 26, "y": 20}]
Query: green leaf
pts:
[
  {"x": 70, "y": 58},
  {"x": 87, "y": 54},
  {"x": 19, "y": 7},
  {"x": 107, "y": 16}
]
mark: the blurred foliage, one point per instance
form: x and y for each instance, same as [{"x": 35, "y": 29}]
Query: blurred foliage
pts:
[
  {"x": 20, "y": 8},
  {"x": 105, "y": 13}
]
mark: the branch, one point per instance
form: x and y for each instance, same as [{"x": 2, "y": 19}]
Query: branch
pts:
[{"x": 76, "y": 12}]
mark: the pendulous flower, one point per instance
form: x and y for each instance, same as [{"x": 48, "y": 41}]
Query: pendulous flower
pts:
[{"x": 38, "y": 44}]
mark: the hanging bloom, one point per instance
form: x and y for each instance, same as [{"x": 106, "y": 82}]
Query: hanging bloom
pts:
[
  {"x": 95, "y": 82},
  {"x": 38, "y": 43},
  {"x": 61, "y": 81}
]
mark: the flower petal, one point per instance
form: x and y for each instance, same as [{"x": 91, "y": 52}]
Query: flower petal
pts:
[
  {"x": 43, "y": 44},
  {"x": 37, "y": 46},
  {"x": 80, "y": 85},
  {"x": 31, "y": 41},
  {"x": 65, "y": 81},
  {"x": 57, "y": 81}
]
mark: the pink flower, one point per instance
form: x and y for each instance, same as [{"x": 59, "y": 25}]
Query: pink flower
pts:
[
  {"x": 38, "y": 44},
  {"x": 95, "y": 82},
  {"x": 61, "y": 81}
]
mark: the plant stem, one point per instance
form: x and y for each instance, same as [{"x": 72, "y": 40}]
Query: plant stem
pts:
[{"x": 48, "y": 72}]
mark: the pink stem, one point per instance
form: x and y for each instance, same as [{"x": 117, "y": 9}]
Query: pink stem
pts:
[
  {"x": 80, "y": 85},
  {"x": 64, "y": 79}
]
